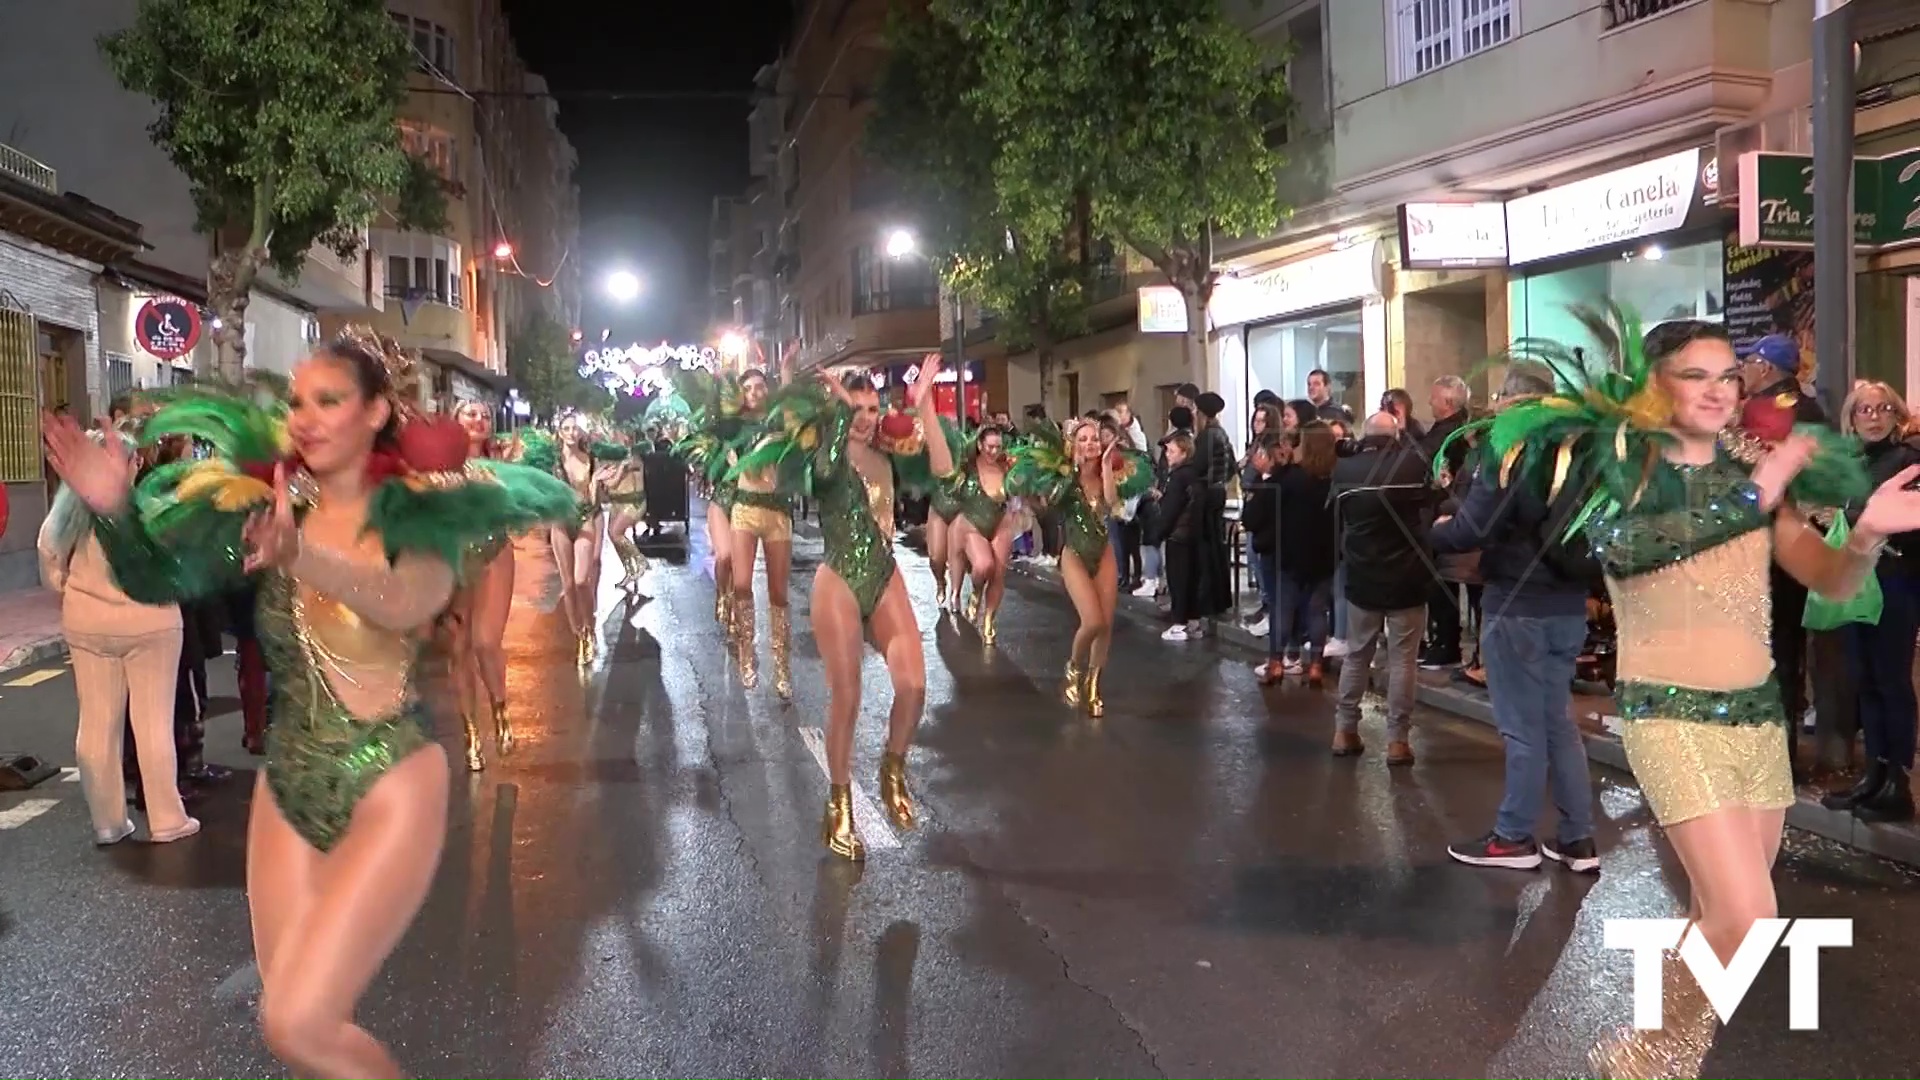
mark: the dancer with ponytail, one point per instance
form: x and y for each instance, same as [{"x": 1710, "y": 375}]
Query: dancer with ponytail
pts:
[
  {"x": 626, "y": 499},
  {"x": 588, "y": 464},
  {"x": 762, "y": 519},
  {"x": 356, "y": 542},
  {"x": 828, "y": 439},
  {"x": 984, "y": 529},
  {"x": 478, "y": 616},
  {"x": 713, "y": 424}
]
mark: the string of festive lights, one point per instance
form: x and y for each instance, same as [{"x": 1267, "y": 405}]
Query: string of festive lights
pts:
[{"x": 640, "y": 369}]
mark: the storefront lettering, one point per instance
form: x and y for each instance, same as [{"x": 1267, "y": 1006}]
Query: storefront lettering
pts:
[
  {"x": 1627, "y": 204},
  {"x": 1337, "y": 277},
  {"x": 1776, "y": 202}
]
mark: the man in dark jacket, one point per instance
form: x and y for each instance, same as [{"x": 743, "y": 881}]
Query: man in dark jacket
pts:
[
  {"x": 1535, "y": 626},
  {"x": 1449, "y": 398},
  {"x": 1770, "y": 368},
  {"x": 1382, "y": 498}
]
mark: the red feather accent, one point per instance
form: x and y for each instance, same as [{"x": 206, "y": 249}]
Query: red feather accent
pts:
[
  {"x": 1768, "y": 418},
  {"x": 897, "y": 425},
  {"x": 433, "y": 444}
]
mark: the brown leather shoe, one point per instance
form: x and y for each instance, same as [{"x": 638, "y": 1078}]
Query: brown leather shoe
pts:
[
  {"x": 1347, "y": 744},
  {"x": 1399, "y": 753},
  {"x": 1316, "y": 676}
]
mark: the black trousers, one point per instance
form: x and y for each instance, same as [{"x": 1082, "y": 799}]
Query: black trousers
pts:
[
  {"x": 1183, "y": 579},
  {"x": 1790, "y": 650}
]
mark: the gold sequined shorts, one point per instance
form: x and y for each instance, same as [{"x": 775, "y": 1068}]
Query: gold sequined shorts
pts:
[
  {"x": 1690, "y": 769},
  {"x": 762, "y": 521}
]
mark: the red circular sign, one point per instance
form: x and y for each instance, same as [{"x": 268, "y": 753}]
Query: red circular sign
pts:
[{"x": 168, "y": 328}]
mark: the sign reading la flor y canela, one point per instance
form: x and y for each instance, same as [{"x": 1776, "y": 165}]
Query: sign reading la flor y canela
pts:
[{"x": 1776, "y": 200}]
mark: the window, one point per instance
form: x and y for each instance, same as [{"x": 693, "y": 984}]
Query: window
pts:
[
  {"x": 432, "y": 44},
  {"x": 421, "y": 267},
  {"x": 883, "y": 284},
  {"x": 19, "y": 396},
  {"x": 431, "y": 145},
  {"x": 1430, "y": 34}
]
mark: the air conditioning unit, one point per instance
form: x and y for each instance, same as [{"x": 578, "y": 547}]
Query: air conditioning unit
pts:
[{"x": 1788, "y": 132}]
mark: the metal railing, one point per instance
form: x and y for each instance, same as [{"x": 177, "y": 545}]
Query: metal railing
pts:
[
  {"x": 1627, "y": 12},
  {"x": 915, "y": 298},
  {"x": 26, "y": 169}
]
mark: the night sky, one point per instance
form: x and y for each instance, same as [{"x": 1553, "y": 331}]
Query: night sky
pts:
[{"x": 649, "y": 169}]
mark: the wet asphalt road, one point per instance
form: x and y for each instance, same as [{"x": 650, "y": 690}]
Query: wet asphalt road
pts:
[{"x": 1192, "y": 887}]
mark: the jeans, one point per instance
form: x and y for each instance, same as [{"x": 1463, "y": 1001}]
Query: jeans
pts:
[
  {"x": 1883, "y": 665},
  {"x": 1402, "y": 630},
  {"x": 1299, "y": 615},
  {"x": 1261, "y": 567},
  {"x": 1340, "y": 601},
  {"x": 1125, "y": 538},
  {"x": 1530, "y": 664},
  {"x": 1151, "y": 565}
]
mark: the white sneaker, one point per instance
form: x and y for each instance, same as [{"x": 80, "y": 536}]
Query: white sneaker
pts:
[
  {"x": 1148, "y": 588},
  {"x": 1176, "y": 632},
  {"x": 1335, "y": 647},
  {"x": 1292, "y": 666},
  {"x": 1258, "y": 629}
]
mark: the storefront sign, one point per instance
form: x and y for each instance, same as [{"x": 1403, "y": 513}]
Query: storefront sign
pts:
[
  {"x": 1776, "y": 200},
  {"x": 1163, "y": 310},
  {"x": 1337, "y": 277},
  {"x": 1440, "y": 236},
  {"x": 1627, "y": 204},
  {"x": 1768, "y": 291},
  {"x": 167, "y": 327}
]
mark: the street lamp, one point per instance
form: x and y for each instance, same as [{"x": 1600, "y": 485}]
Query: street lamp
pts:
[
  {"x": 503, "y": 250},
  {"x": 733, "y": 344},
  {"x": 623, "y": 286},
  {"x": 901, "y": 243}
]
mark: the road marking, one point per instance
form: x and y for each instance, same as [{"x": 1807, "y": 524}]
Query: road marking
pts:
[
  {"x": 874, "y": 827},
  {"x": 69, "y": 775},
  {"x": 244, "y": 982},
  {"x": 35, "y": 678},
  {"x": 14, "y": 817}
]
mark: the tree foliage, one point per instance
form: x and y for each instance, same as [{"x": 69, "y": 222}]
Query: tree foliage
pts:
[
  {"x": 930, "y": 131},
  {"x": 283, "y": 117},
  {"x": 540, "y": 358},
  {"x": 1149, "y": 115}
]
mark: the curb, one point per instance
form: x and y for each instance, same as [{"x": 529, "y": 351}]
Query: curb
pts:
[
  {"x": 1892, "y": 842},
  {"x": 38, "y": 652}
]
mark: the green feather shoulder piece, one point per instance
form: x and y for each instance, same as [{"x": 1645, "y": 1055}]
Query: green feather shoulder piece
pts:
[
  {"x": 608, "y": 451},
  {"x": 1134, "y": 474},
  {"x": 1042, "y": 466},
  {"x": 238, "y": 426},
  {"x": 798, "y": 421},
  {"x": 450, "y": 514},
  {"x": 539, "y": 450}
]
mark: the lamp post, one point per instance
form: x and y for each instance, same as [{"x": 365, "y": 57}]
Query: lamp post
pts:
[
  {"x": 901, "y": 244},
  {"x": 1833, "y": 247}
]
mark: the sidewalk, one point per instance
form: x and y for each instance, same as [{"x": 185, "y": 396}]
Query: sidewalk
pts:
[
  {"x": 1899, "y": 843},
  {"x": 30, "y": 628}
]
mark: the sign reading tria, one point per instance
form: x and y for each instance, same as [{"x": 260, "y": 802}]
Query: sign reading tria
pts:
[{"x": 1776, "y": 200}]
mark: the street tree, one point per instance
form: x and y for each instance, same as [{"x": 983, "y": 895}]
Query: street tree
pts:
[
  {"x": 540, "y": 358},
  {"x": 1149, "y": 116},
  {"x": 283, "y": 117},
  {"x": 930, "y": 131}
]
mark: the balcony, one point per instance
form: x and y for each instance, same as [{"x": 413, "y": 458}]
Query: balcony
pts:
[
  {"x": 328, "y": 282},
  {"x": 27, "y": 170},
  {"x": 1608, "y": 80},
  {"x": 914, "y": 298}
]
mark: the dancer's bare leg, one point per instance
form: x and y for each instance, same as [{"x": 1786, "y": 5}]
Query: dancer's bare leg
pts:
[
  {"x": 586, "y": 569},
  {"x": 840, "y": 637},
  {"x": 624, "y": 518},
  {"x": 937, "y": 529},
  {"x": 324, "y": 924},
  {"x": 562, "y": 546},
  {"x": 746, "y": 550},
  {"x": 959, "y": 566},
  {"x": 1002, "y": 559},
  {"x": 896, "y": 633},
  {"x": 1094, "y": 617},
  {"x": 1106, "y": 587},
  {"x": 492, "y": 602},
  {"x": 1730, "y": 870},
  {"x": 779, "y": 571},
  {"x": 720, "y": 543},
  {"x": 980, "y": 563}
]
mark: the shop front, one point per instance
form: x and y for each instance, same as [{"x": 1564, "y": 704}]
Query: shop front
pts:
[
  {"x": 1326, "y": 312},
  {"x": 895, "y": 381},
  {"x": 1650, "y": 238}
]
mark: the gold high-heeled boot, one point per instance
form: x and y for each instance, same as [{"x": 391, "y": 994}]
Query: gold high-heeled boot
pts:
[
  {"x": 586, "y": 648},
  {"x": 836, "y": 828},
  {"x": 987, "y": 629},
  {"x": 502, "y": 727},
  {"x": 1070, "y": 691},
  {"x": 634, "y": 563},
  {"x": 476, "y": 762},
  {"x": 745, "y": 655},
  {"x": 723, "y": 606},
  {"x": 973, "y": 607},
  {"x": 940, "y": 589},
  {"x": 893, "y": 790},
  {"x": 1673, "y": 1051},
  {"x": 1096, "y": 707},
  {"x": 780, "y": 624}
]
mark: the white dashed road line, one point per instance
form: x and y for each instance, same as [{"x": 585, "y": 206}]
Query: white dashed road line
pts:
[
  {"x": 873, "y": 825},
  {"x": 15, "y": 816}
]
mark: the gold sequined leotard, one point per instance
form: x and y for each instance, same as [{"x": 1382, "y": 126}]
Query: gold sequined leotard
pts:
[
  {"x": 984, "y": 510},
  {"x": 1696, "y": 690}
]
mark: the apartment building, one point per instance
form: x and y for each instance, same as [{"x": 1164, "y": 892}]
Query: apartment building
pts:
[
  {"x": 1461, "y": 170},
  {"x": 478, "y": 116}
]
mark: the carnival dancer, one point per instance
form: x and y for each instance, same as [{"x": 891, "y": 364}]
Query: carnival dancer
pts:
[
  {"x": 626, "y": 499},
  {"x": 350, "y": 812},
  {"x": 1685, "y": 520},
  {"x": 943, "y": 509},
  {"x": 478, "y": 615},
  {"x": 547, "y": 550},
  {"x": 984, "y": 529},
  {"x": 588, "y": 464},
  {"x": 713, "y": 423},
  {"x": 1082, "y": 477},
  {"x": 830, "y": 443},
  {"x": 762, "y": 519}
]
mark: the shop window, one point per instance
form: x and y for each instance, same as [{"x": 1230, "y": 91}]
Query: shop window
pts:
[
  {"x": 1428, "y": 35},
  {"x": 1281, "y": 355},
  {"x": 1655, "y": 284}
]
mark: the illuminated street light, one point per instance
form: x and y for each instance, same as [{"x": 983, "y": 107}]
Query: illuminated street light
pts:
[
  {"x": 901, "y": 243},
  {"x": 577, "y": 335},
  {"x": 733, "y": 343},
  {"x": 503, "y": 251},
  {"x": 623, "y": 286}
]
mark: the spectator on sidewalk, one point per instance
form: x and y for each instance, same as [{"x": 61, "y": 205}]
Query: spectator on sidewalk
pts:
[
  {"x": 1449, "y": 398},
  {"x": 1213, "y": 450},
  {"x": 1320, "y": 394},
  {"x": 1537, "y": 581},
  {"x": 1383, "y": 502},
  {"x": 1181, "y": 532}
]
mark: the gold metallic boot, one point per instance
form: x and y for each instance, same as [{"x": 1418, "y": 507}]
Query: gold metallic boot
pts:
[
  {"x": 836, "y": 829},
  {"x": 586, "y": 648},
  {"x": 987, "y": 629},
  {"x": 973, "y": 607},
  {"x": 744, "y": 652},
  {"x": 502, "y": 728},
  {"x": 1070, "y": 691},
  {"x": 1095, "y": 706},
  {"x": 780, "y": 623},
  {"x": 631, "y": 559},
  {"x": 723, "y": 606},
  {"x": 893, "y": 790},
  {"x": 1674, "y": 1050},
  {"x": 475, "y": 761}
]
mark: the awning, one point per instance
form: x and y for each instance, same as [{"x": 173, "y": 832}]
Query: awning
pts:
[{"x": 497, "y": 381}]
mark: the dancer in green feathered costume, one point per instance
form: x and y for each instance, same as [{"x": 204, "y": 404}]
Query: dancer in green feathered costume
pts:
[
  {"x": 356, "y": 554},
  {"x": 982, "y": 533},
  {"x": 761, "y": 518},
  {"x": 826, "y": 442},
  {"x": 1686, "y": 517},
  {"x": 1082, "y": 478},
  {"x": 942, "y": 508},
  {"x": 713, "y": 423},
  {"x": 593, "y": 466}
]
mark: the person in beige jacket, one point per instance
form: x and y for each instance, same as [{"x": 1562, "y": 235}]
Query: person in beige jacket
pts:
[{"x": 125, "y": 657}]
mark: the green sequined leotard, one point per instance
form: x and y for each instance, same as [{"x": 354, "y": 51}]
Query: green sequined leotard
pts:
[
  {"x": 983, "y": 511},
  {"x": 856, "y": 549},
  {"x": 943, "y": 502},
  {"x": 1084, "y": 526}
]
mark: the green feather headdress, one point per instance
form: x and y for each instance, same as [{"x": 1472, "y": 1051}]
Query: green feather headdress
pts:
[{"x": 797, "y": 421}]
